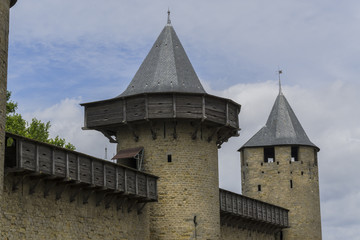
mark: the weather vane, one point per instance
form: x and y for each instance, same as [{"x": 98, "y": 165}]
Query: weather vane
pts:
[
  {"x": 168, "y": 20},
  {"x": 279, "y": 72}
]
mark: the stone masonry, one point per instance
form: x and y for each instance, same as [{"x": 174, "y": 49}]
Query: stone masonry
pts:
[
  {"x": 25, "y": 216},
  {"x": 188, "y": 187},
  {"x": 4, "y": 35}
]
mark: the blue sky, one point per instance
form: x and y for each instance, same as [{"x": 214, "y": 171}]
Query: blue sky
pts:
[{"x": 64, "y": 52}]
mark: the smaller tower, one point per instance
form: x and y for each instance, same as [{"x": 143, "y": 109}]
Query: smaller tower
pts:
[
  {"x": 5, "y": 6},
  {"x": 279, "y": 165}
]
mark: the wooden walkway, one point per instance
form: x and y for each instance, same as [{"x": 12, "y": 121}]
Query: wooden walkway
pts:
[
  {"x": 244, "y": 212},
  {"x": 27, "y": 157}
]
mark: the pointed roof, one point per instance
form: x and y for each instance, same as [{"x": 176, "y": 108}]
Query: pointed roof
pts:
[
  {"x": 166, "y": 68},
  {"x": 282, "y": 128}
]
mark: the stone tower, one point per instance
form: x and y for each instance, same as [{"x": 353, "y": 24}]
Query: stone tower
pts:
[
  {"x": 5, "y": 5},
  {"x": 279, "y": 165},
  {"x": 166, "y": 111}
]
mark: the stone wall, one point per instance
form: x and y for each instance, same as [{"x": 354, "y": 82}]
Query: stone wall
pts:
[
  {"x": 24, "y": 216},
  {"x": 4, "y": 33},
  {"x": 290, "y": 184},
  {"x": 234, "y": 233},
  {"x": 188, "y": 187}
]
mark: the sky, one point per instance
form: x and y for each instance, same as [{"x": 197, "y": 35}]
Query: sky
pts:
[{"x": 63, "y": 53}]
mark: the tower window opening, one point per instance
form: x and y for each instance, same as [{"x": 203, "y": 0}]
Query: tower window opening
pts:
[
  {"x": 169, "y": 158},
  {"x": 294, "y": 154},
  {"x": 269, "y": 154},
  {"x": 291, "y": 184},
  {"x": 259, "y": 188}
]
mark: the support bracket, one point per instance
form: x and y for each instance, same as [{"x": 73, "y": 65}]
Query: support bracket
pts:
[
  {"x": 59, "y": 190},
  {"x": 33, "y": 185},
  {"x": 131, "y": 204},
  {"x": 119, "y": 204},
  {"x": 109, "y": 136},
  {"x": 48, "y": 185},
  {"x": 139, "y": 210},
  {"x": 73, "y": 193},
  {"x": 86, "y": 195}
]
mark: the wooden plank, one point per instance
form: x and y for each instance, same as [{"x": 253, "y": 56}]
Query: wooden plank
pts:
[
  {"x": 52, "y": 161},
  {"x": 117, "y": 179},
  {"x": 227, "y": 113},
  {"x": 19, "y": 153},
  {"x": 203, "y": 108},
  {"x": 60, "y": 163},
  {"x": 146, "y": 107},
  {"x": 125, "y": 181},
  {"x": 78, "y": 167},
  {"x": 67, "y": 172},
  {"x": 124, "y": 111},
  {"x": 28, "y": 155},
  {"x": 174, "y": 105},
  {"x": 92, "y": 172},
  {"x": 104, "y": 175},
  {"x": 45, "y": 159},
  {"x": 36, "y": 157}
]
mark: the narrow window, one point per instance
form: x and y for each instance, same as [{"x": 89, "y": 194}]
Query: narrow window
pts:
[
  {"x": 269, "y": 154},
  {"x": 291, "y": 184},
  {"x": 169, "y": 158},
  {"x": 294, "y": 154},
  {"x": 302, "y": 173},
  {"x": 259, "y": 188},
  {"x": 315, "y": 158}
]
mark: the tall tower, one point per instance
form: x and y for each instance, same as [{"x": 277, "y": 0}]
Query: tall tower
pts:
[
  {"x": 5, "y": 6},
  {"x": 279, "y": 165},
  {"x": 166, "y": 111}
]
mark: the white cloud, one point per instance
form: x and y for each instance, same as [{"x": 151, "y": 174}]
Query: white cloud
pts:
[{"x": 67, "y": 119}]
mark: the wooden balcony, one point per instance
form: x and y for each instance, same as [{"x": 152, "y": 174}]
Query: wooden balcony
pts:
[
  {"x": 244, "y": 212},
  {"x": 27, "y": 157},
  {"x": 108, "y": 115}
]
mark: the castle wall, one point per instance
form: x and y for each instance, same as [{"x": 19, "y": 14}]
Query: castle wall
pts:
[
  {"x": 24, "y": 216},
  {"x": 290, "y": 184},
  {"x": 188, "y": 186},
  {"x": 234, "y": 233},
  {"x": 4, "y": 33}
]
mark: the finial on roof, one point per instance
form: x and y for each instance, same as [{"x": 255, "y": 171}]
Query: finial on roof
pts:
[
  {"x": 168, "y": 20},
  {"x": 280, "y": 72}
]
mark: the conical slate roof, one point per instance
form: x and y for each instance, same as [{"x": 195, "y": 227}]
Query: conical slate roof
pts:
[
  {"x": 166, "y": 68},
  {"x": 282, "y": 128}
]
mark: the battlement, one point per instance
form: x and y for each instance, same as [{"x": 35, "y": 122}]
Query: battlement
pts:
[
  {"x": 25, "y": 157},
  {"x": 250, "y": 213},
  {"x": 106, "y": 116}
]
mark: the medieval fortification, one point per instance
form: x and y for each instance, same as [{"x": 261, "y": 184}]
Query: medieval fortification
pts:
[{"x": 165, "y": 184}]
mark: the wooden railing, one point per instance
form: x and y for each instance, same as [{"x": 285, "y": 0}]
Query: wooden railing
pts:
[
  {"x": 237, "y": 206},
  {"x": 23, "y": 155},
  {"x": 162, "y": 106}
]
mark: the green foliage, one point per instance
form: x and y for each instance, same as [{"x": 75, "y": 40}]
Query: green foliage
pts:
[
  {"x": 36, "y": 130},
  {"x": 10, "y": 105}
]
